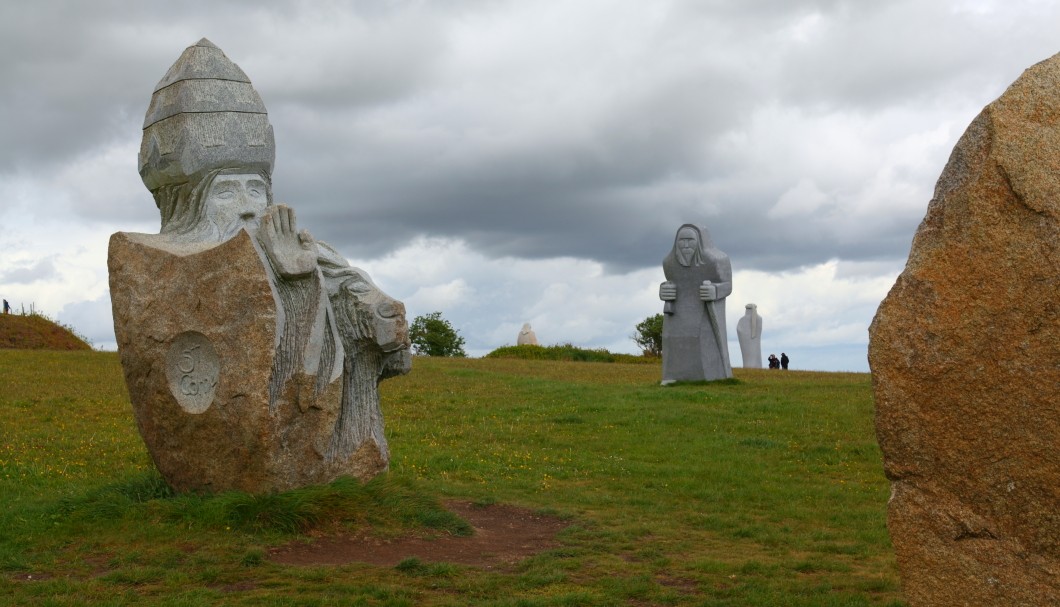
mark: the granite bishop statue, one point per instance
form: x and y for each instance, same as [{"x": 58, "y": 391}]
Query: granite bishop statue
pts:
[
  {"x": 698, "y": 279},
  {"x": 252, "y": 352}
]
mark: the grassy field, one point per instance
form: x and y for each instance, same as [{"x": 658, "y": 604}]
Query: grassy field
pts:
[{"x": 763, "y": 491}]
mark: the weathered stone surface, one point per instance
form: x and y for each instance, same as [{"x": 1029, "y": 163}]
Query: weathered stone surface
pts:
[
  {"x": 527, "y": 337},
  {"x": 965, "y": 358},
  {"x": 204, "y": 108},
  {"x": 165, "y": 305},
  {"x": 698, "y": 279},
  {"x": 252, "y": 352},
  {"x": 749, "y": 332}
]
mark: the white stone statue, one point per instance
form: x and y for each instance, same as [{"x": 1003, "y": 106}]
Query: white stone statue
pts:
[
  {"x": 698, "y": 279},
  {"x": 252, "y": 352},
  {"x": 749, "y": 332},
  {"x": 526, "y": 336}
]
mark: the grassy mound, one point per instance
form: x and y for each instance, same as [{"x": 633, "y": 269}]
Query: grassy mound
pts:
[
  {"x": 567, "y": 352},
  {"x": 37, "y": 332}
]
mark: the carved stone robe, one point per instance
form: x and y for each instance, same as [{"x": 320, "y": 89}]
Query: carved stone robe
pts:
[{"x": 695, "y": 346}]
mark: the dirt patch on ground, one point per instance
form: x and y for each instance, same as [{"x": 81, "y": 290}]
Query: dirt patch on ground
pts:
[{"x": 503, "y": 535}]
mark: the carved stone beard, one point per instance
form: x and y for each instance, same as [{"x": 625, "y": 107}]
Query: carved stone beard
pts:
[
  {"x": 224, "y": 232},
  {"x": 184, "y": 216},
  {"x": 686, "y": 259}
]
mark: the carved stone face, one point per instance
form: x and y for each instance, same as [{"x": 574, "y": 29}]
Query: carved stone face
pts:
[
  {"x": 379, "y": 315},
  {"x": 687, "y": 245},
  {"x": 234, "y": 202}
]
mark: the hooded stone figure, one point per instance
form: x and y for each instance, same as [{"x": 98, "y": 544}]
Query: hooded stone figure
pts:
[
  {"x": 698, "y": 279},
  {"x": 749, "y": 332},
  {"x": 252, "y": 352},
  {"x": 527, "y": 337}
]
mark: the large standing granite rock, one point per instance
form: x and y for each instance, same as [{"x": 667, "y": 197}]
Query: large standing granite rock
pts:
[
  {"x": 965, "y": 357},
  {"x": 252, "y": 352}
]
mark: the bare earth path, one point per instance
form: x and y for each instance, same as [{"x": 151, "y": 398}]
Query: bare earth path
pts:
[{"x": 503, "y": 536}]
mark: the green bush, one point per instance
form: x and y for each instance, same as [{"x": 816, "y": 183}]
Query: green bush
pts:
[
  {"x": 568, "y": 352},
  {"x": 432, "y": 335},
  {"x": 556, "y": 352},
  {"x": 648, "y": 335}
]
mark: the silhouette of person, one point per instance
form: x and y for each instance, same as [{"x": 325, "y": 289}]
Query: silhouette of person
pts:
[
  {"x": 784, "y": 361},
  {"x": 7, "y": 307}
]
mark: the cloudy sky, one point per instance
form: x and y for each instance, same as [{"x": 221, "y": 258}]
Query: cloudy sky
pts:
[{"x": 506, "y": 161}]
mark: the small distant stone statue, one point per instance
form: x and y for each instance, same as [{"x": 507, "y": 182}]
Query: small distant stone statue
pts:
[
  {"x": 526, "y": 336},
  {"x": 749, "y": 332},
  {"x": 251, "y": 351},
  {"x": 698, "y": 279}
]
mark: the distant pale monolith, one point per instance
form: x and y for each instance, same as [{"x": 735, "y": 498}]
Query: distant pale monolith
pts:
[
  {"x": 698, "y": 279},
  {"x": 251, "y": 351},
  {"x": 749, "y": 332},
  {"x": 527, "y": 337},
  {"x": 965, "y": 358}
]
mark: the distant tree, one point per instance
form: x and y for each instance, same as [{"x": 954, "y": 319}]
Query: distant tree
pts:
[
  {"x": 649, "y": 335},
  {"x": 432, "y": 335}
]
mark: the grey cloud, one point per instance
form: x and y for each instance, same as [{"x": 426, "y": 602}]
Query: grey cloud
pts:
[
  {"x": 869, "y": 55},
  {"x": 608, "y": 198},
  {"x": 39, "y": 271},
  {"x": 383, "y": 137},
  {"x": 80, "y": 74},
  {"x": 93, "y": 320},
  {"x": 68, "y": 85}
]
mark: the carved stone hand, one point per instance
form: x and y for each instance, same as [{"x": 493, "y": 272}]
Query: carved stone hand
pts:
[
  {"x": 292, "y": 253},
  {"x": 707, "y": 291},
  {"x": 668, "y": 291}
]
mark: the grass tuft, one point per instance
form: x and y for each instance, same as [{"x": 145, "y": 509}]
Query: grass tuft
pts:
[
  {"x": 413, "y": 566},
  {"x": 383, "y": 502}
]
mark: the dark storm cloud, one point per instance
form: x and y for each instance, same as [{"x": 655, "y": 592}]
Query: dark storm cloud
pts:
[
  {"x": 530, "y": 136},
  {"x": 614, "y": 191},
  {"x": 79, "y": 74},
  {"x": 612, "y": 186}
]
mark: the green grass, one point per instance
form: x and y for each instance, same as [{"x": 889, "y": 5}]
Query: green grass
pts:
[{"x": 765, "y": 491}]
